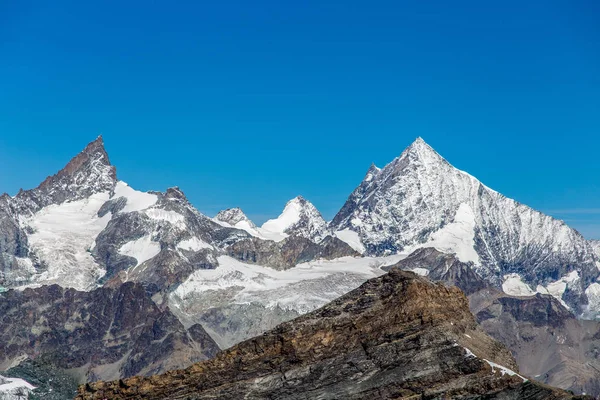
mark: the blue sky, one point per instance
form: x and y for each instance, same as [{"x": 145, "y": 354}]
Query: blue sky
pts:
[{"x": 252, "y": 103}]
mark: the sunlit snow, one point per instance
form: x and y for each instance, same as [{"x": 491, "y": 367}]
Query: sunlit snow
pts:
[
  {"x": 193, "y": 244},
  {"x": 141, "y": 249},
  {"x": 14, "y": 388},
  {"x": 514, "y": 286},
  {"x": 136, "y": 200},
  {"x": 277, "y": 226},
  {"x": 351, "y": 238},
  {"x": 62, "y": 239},
  {"x": 503, "y": 370},
  {"x": 457, "y": 237},
  {"x": 557, "y": 289},
  {"x": 302, "y": 288},
  {"x": 166, "y": 215}
]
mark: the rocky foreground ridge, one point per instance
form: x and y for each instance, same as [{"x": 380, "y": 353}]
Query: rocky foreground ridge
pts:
[{"x": 396, "y": 336}]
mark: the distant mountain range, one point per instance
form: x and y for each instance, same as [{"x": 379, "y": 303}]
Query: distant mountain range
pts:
[{"x": 84, "y": 230}]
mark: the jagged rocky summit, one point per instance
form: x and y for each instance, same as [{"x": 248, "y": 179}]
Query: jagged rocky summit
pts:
[
  {"x": 299, "y": 218},
  {"x": 82, "y": 228},
  {"x": 397, "y": 336}
]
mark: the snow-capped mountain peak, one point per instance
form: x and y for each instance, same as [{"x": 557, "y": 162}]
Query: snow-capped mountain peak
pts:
[
  {"x": 419, "y": 199},
  {"x": 299, "y": 217},
  {"x": 88, "y": 173},
  {"x": 233, "y": 217},
  {"x": 419, "y": 152},
  {"x": 372, "y": 173}
]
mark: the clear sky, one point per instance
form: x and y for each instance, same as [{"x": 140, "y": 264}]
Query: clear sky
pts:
[{"x": 250, "y": 103}]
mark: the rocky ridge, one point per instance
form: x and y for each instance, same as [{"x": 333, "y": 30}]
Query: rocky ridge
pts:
[
  {"x": 548, "y": 342},
  {"x": 397, "y": 336}
]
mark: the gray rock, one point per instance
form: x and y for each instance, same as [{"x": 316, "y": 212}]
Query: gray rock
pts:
[
  {"x": 397, "y": 336},
  {"x": 102, "y": 334}
]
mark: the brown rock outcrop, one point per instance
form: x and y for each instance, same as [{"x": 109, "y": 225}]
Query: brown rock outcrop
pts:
[{"x": 397, "y": 336}]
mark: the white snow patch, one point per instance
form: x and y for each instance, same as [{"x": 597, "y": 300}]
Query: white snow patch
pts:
[
  {"x": 275, "y": 229},
  {"x": 352, "y": 239},
  {"x": 503, "y": 369},
  {"x": 557, "y": 289},
  {"x": 14, "y": 388},
  {"x": 303, "y": 288},
  {"x": 289, "y": 216},
  {"x": 63, "y": 236},
  {"x": 514, "y": 286},
  {"x": 457, "y": 237},
  {"x": 246, "y": 225},
  {"x": 469, "y": 354},
  {"x": 420, "y": 271},
  {"x": 165, "y": 215},
  {"x": 136, "y": 201},
  {"x": 141, "y": 249},
  {"x": 193, "y": 244},
  {"x": 593, "y": 294}
]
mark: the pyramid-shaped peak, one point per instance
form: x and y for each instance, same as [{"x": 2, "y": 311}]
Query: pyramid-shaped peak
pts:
[
  {"x": 301, "y": 205},
  {"x": 420, "y": 150},
  {"x": 420, "y": 145},
  {"x": 298, "y": 199},
  {"x": 233, "y": 216},
  {"x": 175, "y": 193},
  {"x": 299, "y": 217},
  {"x": 371, "y": 173},
  {"x": 87, "y": 173},
  {"x": 96, "y": 144},
  {"x": 94, "y": 153}
]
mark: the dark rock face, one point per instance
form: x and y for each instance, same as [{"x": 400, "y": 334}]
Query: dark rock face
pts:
[
  {"x": 87, "y": 173},
  {"x": 548, "y": 342},
  {"x": 288, "y": 253},
  {"x": 397, "y": 336},
  {"x": 444, "y": 268},
  {"x": 13, "y": 242},
  {"x": 102, "y": 334},
  {"x": 332, "y": 247}
]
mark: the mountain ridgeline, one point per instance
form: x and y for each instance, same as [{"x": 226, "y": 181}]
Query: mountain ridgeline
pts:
[
  {"x": 83, "y": 241},
  {"x": 397, "y": 336}
]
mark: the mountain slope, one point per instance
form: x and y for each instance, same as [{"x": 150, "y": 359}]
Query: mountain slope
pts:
[
  {"x": 102, "y": 334},
  {"x": 40, "y": 236},
  {"x": 548, "y": 342},
  {"x": 420, "y": 200},
  {"x": 397, "y": 336}
]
